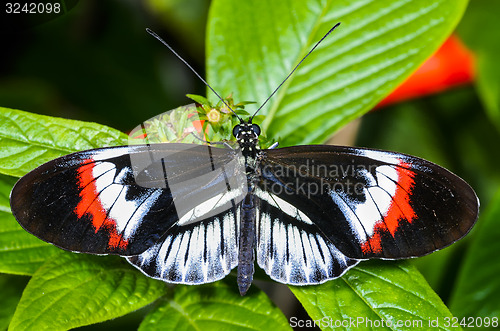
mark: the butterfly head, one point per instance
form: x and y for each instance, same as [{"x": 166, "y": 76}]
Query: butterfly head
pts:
[{"x": 247, "y": 135}]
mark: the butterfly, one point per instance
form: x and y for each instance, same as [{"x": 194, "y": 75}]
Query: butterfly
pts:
[{"x": 190, "y": 213}]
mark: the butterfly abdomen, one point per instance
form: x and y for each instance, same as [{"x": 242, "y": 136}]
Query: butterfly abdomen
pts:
[{"x": 246, "y": 255}]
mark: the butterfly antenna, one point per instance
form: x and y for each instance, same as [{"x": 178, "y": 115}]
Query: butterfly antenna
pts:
[
  {"x": 283, "y": 82},
  {"x": 151, "y": 32}
]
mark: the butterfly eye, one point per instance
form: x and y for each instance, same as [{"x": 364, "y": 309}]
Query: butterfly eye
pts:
[
  {"x": 236, "y": 130},
  {"x": 256, "y": 129}
]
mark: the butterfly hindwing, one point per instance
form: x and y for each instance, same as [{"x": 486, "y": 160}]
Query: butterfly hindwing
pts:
[
  {"x": 194, "y": 253},
  {"x": 290, "y": 247},
  {"x": 372, "y": 203}
]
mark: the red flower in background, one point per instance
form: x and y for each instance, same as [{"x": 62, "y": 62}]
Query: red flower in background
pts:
[{"x": 450, "y": 66}]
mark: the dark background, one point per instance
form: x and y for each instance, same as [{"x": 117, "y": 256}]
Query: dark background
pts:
[{"x": 97, "y": 63}]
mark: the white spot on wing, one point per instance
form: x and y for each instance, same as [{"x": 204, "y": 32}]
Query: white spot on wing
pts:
[
  {"x": 363, "y": 216},
  {"x": 102, "y": 179},
  {"x": 205, "y": 208},
  {"x": 385, "y": 157},
  {"x": 204, "y": 254},
  {"x": 284, "y": 206},
  {"x": 120, "y": 210},
  {"x": 387, "y": 178},
  {"x": 291, "y": 255},
  {"x": 100, "y": 168},
  {"x": 106, "y": 154},
  {"x": 140, "y": 211}
]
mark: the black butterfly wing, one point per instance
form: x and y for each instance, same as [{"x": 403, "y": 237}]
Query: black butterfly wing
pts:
[
  {"x": 290, "y": 247},
  {"x": 368, "y": 203},
  {"x": 194, "y": 253},
  {"x": 122, "y": 200}
]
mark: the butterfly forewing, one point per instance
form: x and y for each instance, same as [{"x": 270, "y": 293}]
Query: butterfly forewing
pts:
[
  {"x": 371, "y": 203},
  {"x": 100, "y": 201}
]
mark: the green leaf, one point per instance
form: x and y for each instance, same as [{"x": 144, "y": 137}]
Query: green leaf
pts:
[
  {"x": 186, "y": 18},
  {"x": 477, "y": 292},
  {"x": 198, "y": 99},
  {"x": 217, "y": 306},
  {"x": 392, "y": 292},
  {"x": 253, "y": 45},
  {"x": 479, "y": 30},
  {"x": 20, "y": 252},
  {"x": 72, "y": 290},
  {"x": 11, "y": 288},
  {"x": 6, "y": 184},
  {"x": 28, "y": 140}
]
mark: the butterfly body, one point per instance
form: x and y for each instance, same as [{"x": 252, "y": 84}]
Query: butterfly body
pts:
[{"x": 247, "y": 242}]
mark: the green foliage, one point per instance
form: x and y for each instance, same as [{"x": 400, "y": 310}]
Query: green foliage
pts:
[
  {"x": 6, "y": 184},
  {"x": 378, "y": 44},
  {"x": 477, "y": 290},
  {"x": 72, "y": 290},
  {"x": 218, "y": 119},
  {"x": 12, "y": 289},
  {"x": 173, "y": 126},
  {"x": 215, "y": 306},
  {"x": 372, "y": 292},
  {"x": 187, "y": 17},
  {"x": 29, "y": 140},
  {"x": 20, "y": 252},
  {"x": 251, "y": 47},
  {"x": 483, "y": 15}
]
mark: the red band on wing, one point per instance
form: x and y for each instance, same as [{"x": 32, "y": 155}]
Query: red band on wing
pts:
[
  {"x": 91, "y": 205},
  {"x": 398, "y": 210},
  {"x": 400, "y": 205}
]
